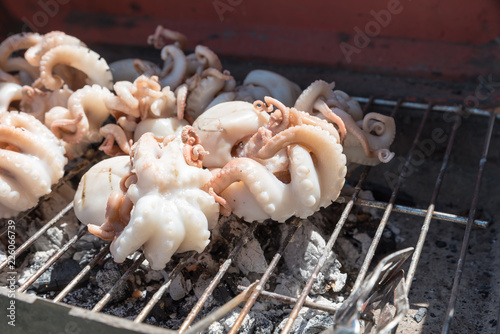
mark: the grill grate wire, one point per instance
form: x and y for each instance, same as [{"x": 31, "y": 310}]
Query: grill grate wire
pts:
[
  {"x": 250, "y": 294},
  {"x": 472, "y": 213}
]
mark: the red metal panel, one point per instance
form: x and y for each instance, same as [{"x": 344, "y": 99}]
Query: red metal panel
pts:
[
  {"x": 452, "y": 39},
  {"x": 461, "y": 21}
]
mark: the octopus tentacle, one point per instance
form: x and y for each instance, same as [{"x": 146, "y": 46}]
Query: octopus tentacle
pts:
[
  {"x": 196, "y": 224},
  {"x": 224, "y": 126},
  {"x": 144, "y": 67},
  {"x": 20, "y": 65},
  {"x": 125, "y": 101},
  {"x": 212, "y": 82},
  {"x": 193, "y": 151},
  {"x": 351, "y": 106},
  {"x": 277, "y": 85},
  {"x": 9, "y": 92},
  {"x": 33, "y": 138},
  {"x": 142, "y": 99},
  {"x": 317, "y": 165},
  {"x": 128, "y": 123},
  {"x": 322, "y": 145},
  {"x": 37, "y": 102},
  {"x": 50, "y": 40},
  {"x": 11, "y": 44},
  {"x": 63, "y": 128},
  {"x": 373, "y": 146},
  {"x": 88, "y": 109},
  {"x": 323, "y": 108},
  {"x": 305, "y": 182},
  {"x": 163, "y": 106},
  {"x": 295, "y": 117},
  {"x": 318, "y": 89},
  {"x": 300, "y": 117},
  {"x": 81, "y": 58},
  {"x": 181, "y": 97},
  {"x": 158, "y": 39},
  {"x": 175, "y": 77},
  {"x": 167, "y": 239},
  {"x": 22, "y": 177},
  {"x": 385, "y": 130},
  {"x": 117, "y": 216},
  {"x": 130, "y": 69},
  {"x": 280, "y": 118},
  {"x": 383, "y": 126},
  {"x": 225, "y": 208},
  {"x": 356, "y": 131},
  {"x": 114, "y": 133},
  {"x": 31, "y": 158},
  {"x": 331, "y": 104},
  {"x": 207, "y": 58},
  {"x": 230, "y": 84},
  {"x": 243, "y": 175}
]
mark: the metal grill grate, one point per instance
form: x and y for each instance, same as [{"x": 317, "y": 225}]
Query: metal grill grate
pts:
[{"x": 250, "y": 294}]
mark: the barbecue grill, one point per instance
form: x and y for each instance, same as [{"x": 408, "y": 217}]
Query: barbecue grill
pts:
[{"x": 430, "y": 213}]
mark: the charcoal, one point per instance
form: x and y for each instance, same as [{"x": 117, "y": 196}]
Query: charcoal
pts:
[
  {"x": 64, "y": 271},
  {"x": 180, "y": 287},
  {"x": 262, "y": 324},
  {"x": 420, "y": 314},
  {"x": 106, "y": 279},
  {"x": 298, "y": 326},
  {"x": 251, "y": 258},
  {"x": 318, "y": 324}
]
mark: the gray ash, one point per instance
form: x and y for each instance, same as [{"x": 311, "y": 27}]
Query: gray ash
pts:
[{"x": 267, "y": 316}]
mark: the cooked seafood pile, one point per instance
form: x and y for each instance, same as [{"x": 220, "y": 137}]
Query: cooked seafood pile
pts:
[{"x": 186, "y": 142}]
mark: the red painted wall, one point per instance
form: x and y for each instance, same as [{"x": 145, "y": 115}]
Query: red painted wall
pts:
[{"x": 452, "y": 38}]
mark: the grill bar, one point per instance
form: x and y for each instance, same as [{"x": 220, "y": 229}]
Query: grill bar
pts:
[
  {"x": 465, "y": 244},
  {"x": 415, "y": 212},
  {"x": 215, "y": 281},
  {"x": 39, "y": 233},
  {"x": 423, "y": 106},
  {"x": 291, "y": 300},
  {"x": 223, "y": 310},
  {"x": 157, "y": 296},
  {"x": 107, "y": 297},
  {"x": 430, "y": 210},
  {"x": 53, "y": 259},
  {"x": 388, "y": 210},
  {"x": 82, "y": 273},
  {"x": 294, "y": 225},
  {"x": 340, "y": 224}
]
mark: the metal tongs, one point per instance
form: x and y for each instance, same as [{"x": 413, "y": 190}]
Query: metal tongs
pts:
[{"x": 373, "y": 302}]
